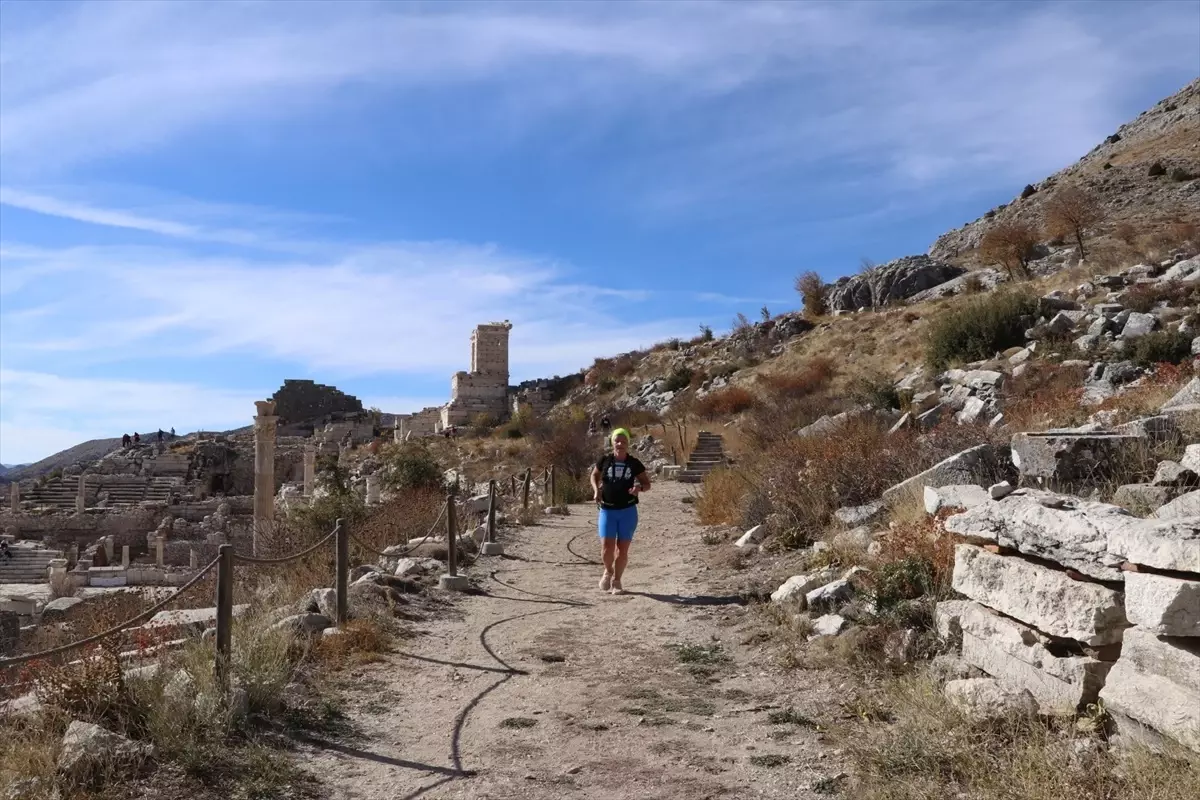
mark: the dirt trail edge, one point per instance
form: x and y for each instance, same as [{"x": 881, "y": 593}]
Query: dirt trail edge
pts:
[{"x": 545, "y": 687}]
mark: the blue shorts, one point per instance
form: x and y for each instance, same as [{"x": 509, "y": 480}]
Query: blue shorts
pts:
[{"x": 618, "y": 523}]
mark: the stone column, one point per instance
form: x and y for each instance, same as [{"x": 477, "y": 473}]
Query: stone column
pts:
[
  {"x": 14, "y": 496},
  {"x": 310, "y": 470},
  {"x": 80, "y": 501},
  {"x": 372, "y": 489},
  {"x": 265, "y": 423},
  {"x": 159, "y": 543},
  {"x": 108, "y": 548},
  {"x": 193, "y": 558},
  {"x": 125, "y": 556}
]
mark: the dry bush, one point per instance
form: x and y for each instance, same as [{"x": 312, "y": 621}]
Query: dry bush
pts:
[
  {"x": 720, "y": 499},
  {"x": 1143, "y": 297},
  {"x": 723, "y": 403},
  {"x": 912, "y": 744},
  {"x": 1161, "y": 347},
  {"x": 1149, "y": 396},
  {"x": 771, "y": 422},
  {"x": 1072, "y": 211},
  {"x": 1010, "y": 245},
  {"x": 361, "y": 641},
  {"x": 1046, "y": 396},
  {"x": 1126, "y": 232},
  {"x": 566, "y": 446},
  {"x": 977, "y": 328},
  {"x": 62, "y": 586},
  {"x": 813, "y": 292},
  {"x": 814, "y": 376}
]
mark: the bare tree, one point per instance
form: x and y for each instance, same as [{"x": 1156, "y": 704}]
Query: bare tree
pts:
[
  {"x": 1011, "y": 245},
  {"x": 869, "y": 271},
  {"x": 740, "y": 322},
  {"x": 1072, "y": 211},
  {"x": 812, "y": 291}
]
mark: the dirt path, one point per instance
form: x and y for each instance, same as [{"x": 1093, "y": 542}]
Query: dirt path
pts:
[{"x": 544, "y": 687}]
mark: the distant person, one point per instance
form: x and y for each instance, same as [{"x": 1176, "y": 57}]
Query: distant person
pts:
[
  {"x": 126, "y": 441},
  {"x": 137, "y": 439},
  {"x": 4, "y": 551},
  {"x": 617, "y": 480},
  {"x": 605, "y": 424},
  {"x": 160, "y": 435},
  {"x": 172, "y": 433}
]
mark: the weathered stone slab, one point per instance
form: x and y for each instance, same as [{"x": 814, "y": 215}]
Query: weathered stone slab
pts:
[
  {"x": 1141, "y": 498},
  {"x": 1163, "y": 605},
  {"x": 1044, "y": 598},
  {"x": 947, "y": 617},
  {"x": 1022, "y": 657},
  {"x": 1065, "y": 457},
  {"x": 988, "y": 699},
  {"x": 795, "y": 588},
  {"x": 954, "y": 497},
  {"x": 1186, "y": 505},
  {"x": 1191, "y": 458},
  {"x": 1187, "y": 396},
  {"x": 1170, "y": 544},
  {"x": 973, "y": 466},
  {"x": 199, "y": 617},
  {"x": 853, "y": 516},
  {"x": 1156, "y": 681},
  {"x": 1058, "y": 528}
]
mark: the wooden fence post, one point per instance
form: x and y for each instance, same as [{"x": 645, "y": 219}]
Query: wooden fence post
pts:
[
  {"x": 525, "y": 488},
  {"x": 491, "y": 512},
  {"x": 224, "y": 614},
  {"x": 553, "y": 485},
  {"x": 342, "y": 542},
  {"x": 451, "y": 538}
]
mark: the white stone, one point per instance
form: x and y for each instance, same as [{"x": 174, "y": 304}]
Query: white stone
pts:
[
  {"x": 1186, "y": 505},
  {"x": 999, "y": 491},
  {"x": 303, "y": 623},
  {"x": 971, "y": 411},
  {"x": 1038, "y": 596},
  {"x": 1191, "y": 458},
  {"x": 1169, "y": 544},
  {"x": 1020, "y": 656},
  {"x": 753, "y": 536},
  {"x": 831, "y": 595},
  {"x": 960, "y": 497},
  {"x": 988, "y": 699},
  {"x": 88, "y": 748},
  {"x": 829, "y": 625},
  {"x": 793, "y": 591},
  {"x": 947, "y": 618},
  {"x": 409, "y": 566},
  {"x": 859, "y": 538},
  {"x": 961, "y": 468},
  {"x": 853, "y": 516},
  {"x": 1187, "y": 396},
  {"x": 325, "y": 600},
  {"x": 1157, "y": 682},
  {"x": 1138, "y": 325},
  {"x": 1163, "y": 605}
]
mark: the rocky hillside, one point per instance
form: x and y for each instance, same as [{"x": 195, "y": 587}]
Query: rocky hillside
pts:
[{"x": 1144, "y": 174}]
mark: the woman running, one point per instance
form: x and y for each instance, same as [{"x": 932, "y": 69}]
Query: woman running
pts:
[{"x": 617, "y": 480}]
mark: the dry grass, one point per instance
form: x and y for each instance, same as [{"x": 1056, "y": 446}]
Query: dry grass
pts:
[
  {"x": 724, "y": 403},
  {"x": 720, "y": 499},
  {"x": 926, "y": 750},
  {"x": 1046, "y": 396}
]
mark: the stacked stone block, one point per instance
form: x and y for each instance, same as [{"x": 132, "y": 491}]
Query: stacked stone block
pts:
[
  {"x": 305, "y": 400},
  {"x": 1076, "y": 601}
]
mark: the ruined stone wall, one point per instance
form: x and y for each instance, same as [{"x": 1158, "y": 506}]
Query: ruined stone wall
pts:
[
  {"x": 489, "y": 349},
  {"x": 541, "y": 400},
  {"x": 300, "y": 400},
  {"x": 423, "y": 423}
]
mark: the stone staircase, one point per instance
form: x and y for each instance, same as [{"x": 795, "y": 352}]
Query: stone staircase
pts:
[
  {"x": 133, "y": 490},
  {"x": 60, "y": 493},
  {"x": 707, "y": 456},
  {"x": 29, "y": 564}
]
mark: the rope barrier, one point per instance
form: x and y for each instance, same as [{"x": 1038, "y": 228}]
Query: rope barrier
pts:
[
  {"x": 399, "y": 553},
  {"x": 66, "y": 648},
  {"x": 285, "y": 559}
]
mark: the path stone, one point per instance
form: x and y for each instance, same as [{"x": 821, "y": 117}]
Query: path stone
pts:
[
  {"x": 793, "y": 591},
  {"x": 988, "y": 699},
  {"x": 87, "y": 749}
]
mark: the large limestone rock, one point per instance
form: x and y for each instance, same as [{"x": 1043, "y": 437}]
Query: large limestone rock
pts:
[
  {"x": 1187, "y": 397},
  {"x": 1044, "y": 598},
  {"x": 987, "y": 699},
  {"x": 977, "y": 465},
  {"x": 1058, "y": 528},
  {"x": 793, "y": 591},
  {"x": 88, "y": 749},
  {"x": 1169, "y": 544},
  {"x": 887, "y": 283},
  {"x": 1058, "y": 456},
  {"x": 954, "y": 497},
  {"x": 1024, "y": 658},
  {"x": 1163, "y": 605},
  {"x": 1186, "y": 505},
  {"x": 1156, "y": 681}
]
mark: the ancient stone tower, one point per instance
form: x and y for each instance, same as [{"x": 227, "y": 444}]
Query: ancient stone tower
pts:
[
  {"x": 489, "y": 350},
  {"x": 483, "y": 390}
]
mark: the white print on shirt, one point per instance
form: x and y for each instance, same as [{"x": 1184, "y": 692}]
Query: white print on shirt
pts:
[{"x": 619, "y": 472}]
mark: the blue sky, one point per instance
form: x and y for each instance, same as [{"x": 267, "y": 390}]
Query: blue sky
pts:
[{"x": 200, "y": 200}]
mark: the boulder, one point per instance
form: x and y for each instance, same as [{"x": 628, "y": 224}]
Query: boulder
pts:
[
  {"x": 971, "y": 466},
  {"x": 999, "y": 491},
  {"x": 754, "y": 536},
  {"x": 947, "y": 618},
  {"x": 1138, "y": 325},
  {"x": 1185, "y": 398},
  {"x": 1181, "y": 270},
  {"x": 854, "y": 516},
  {"x": 304, "y": 623},
  {"x": 831, "y": 595},
  {"x": 1059, "y": 528},
  {"x": 416, "y": 566},
  {"x": 901, "y": 646},
  {"x": 988, "y": 699},
  {"x": 829, "y": 625},
  {"x": 1063, "y": 457},
  {"x": 57, "y": 609},
  {"x": 1160, "y": 428},
  {"x": 1022, "y": 657},
  {"x": 859, "y": 538},
  {"x": 1166, "y": 544},
  {"x": 971, "y": 411},
  {"x": 1041, "y": 597},
  {"x": 88, "y": 749},
  {"x": 1156, "y": 681},
  {"x": 324, "y": 601},
  {"x": 887, "y": 283},
  {"x": 1141, "y": 498},
  {"x": 1175, "y": 475},
  {"x": 793, "y": 591},
  {"x": 1186, "y": 505},
  {"x": 1191, "y": 458},
  {"x": 959, "y": 498},
  {"x": 1163, "y": 605}
]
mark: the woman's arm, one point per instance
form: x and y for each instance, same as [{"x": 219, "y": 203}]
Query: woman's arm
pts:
[
  {"x": 595, "y": 483},
  {"x": 643, "y": 479}
]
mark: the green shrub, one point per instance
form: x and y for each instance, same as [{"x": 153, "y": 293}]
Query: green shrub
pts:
[
  {"x": 1170, "y": 347},
  {"x": 679, "y": 379},
  {"x": 412, "y": 466},
  {"x": 979, "y": 328},
  {"x": 876, "y": 391}
]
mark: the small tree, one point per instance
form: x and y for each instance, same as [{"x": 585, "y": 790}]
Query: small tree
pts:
[
  {"x": 813, "y": 292},
  {"x": 868, "y": 269},
  {"x": 1011, "y": 245},
  {"x": 706, "y": 334},
  {"x": 765, "y": 313},
  {"x": 1072, "y": 211}
]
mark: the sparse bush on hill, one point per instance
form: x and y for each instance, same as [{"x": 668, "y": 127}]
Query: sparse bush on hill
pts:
[
  {"x": 979, "y": 328},
  {"x": 813, "y": 293},
  {"x": 724, "y": 403},
  {"x": 706, "y": 333},
  {"x": 679, "y": 379},
  {"x": 875, "y": 391},
  {"x": 721, "y": 498},
  {"x": 411, "y": 465},
  {"x": 566, "y": 446},
  {"x": 1011, "y": 245},
  {"x": 1072, "y": 211},
  {"x": 813, "y": 377},
  {"x": 1162, "y": 347}
]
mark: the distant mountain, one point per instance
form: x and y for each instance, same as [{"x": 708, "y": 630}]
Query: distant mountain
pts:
[{"x": 7, "y": 468}]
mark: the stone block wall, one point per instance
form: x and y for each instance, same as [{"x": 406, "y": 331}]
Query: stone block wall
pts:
[
  {"x": 489, "y": 349},
  {"x": 299, "y": 400}
]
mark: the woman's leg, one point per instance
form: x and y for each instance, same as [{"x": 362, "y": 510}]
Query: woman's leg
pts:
[
  {"x": 608, "y": 546},
  {"x": 621, "y": 560},
  {"x": 629, "y": 519}
]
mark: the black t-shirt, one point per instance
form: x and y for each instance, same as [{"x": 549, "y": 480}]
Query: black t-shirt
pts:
[{"x": 616, "y": 479}]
